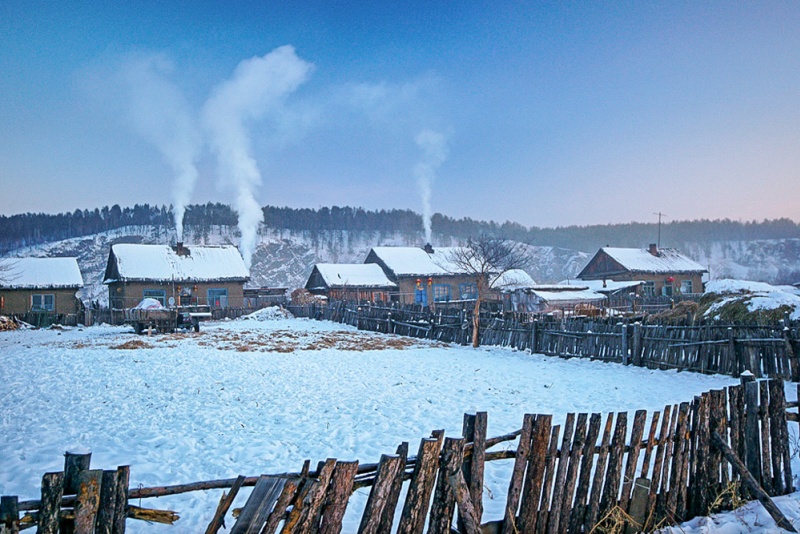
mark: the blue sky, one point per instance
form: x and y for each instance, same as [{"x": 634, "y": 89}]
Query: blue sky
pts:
[{"x": 553, "y": 113}]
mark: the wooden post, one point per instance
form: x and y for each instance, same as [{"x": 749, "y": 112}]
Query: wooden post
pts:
[
  {"x": 88, "y": 503},
  {"x": 751, "y": 483},
  {"x": 107, "y": 505},
  {"x": 341, "y": 487},
  {"x": 638, "y": 509},
  {"x": 738, "y": 365},
  {"x": 52, "y": 491},
  {"x": 636, "y": 357},
  {"x": 624, "y": 344},
  {"x": 9, "y": 514},
  {"x": 443, "y": 508},
  {"x": 534, "y": 335},
  {"x": 121, "y": 507},
  {"x": 517, "y": 476},
  {"x": 415, "y": 509},
  {"x": 387, "y": 518},
  {"x": 388, "y": 469},
  {"x": 751, "y": 438}
]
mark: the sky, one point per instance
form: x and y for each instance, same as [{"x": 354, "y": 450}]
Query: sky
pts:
[{"x": 546, "y": 114}]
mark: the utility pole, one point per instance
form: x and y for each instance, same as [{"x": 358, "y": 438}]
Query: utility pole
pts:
[{"x": 659, "y": 227}]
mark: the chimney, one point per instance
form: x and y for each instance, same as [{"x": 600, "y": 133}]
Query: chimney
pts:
[
  {"x": 180, "y": 250},
  {"x": 428, "y": 248},
  {"x": 653, "y": 249}
]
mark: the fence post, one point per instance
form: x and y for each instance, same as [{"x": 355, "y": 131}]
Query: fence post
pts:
[
  {"x": 534, "y": 326},
  {"x": 738, "y": 365},
  {"x": 636, "y": 357},
  {"x": 624, "y": 343},
  {"x": 9, "y": 513}
]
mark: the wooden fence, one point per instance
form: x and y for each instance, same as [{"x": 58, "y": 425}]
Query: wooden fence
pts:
[
  {"x": 590, "y": 471},
  {"x": 764, "y": 350}
]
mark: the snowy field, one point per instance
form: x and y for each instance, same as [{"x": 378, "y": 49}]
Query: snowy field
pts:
[{"x": 260, "y": 396}]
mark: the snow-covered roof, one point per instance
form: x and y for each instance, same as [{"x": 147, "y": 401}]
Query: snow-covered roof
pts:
[
  {"x": 414, "y": 261},
  {"x": 641, "y": 260},
  {"x": 555, "y": 293},
  {"x": 163, "y": 263},
  {"x": 353, "y": 274},
  {"x": 598, "y": 285},
  {"x": 40, "y": 273},
  {"x": 513, "y": 280}
]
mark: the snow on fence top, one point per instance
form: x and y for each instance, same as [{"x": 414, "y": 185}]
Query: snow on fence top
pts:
[
  {"x": 667, "y": 261},
  {"x": 132, "y": 262},
  {"x": 357, "y": 275},
  {"x": 40, "y": 273}
]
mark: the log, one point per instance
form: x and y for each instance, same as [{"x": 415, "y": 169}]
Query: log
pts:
[
  {"x": 278, "y": 513},
  {"x": 390, "y": 470},
  {"x": 387, "y": 518},
  {"x": 218, "y": 521},
  {"x": 518, "y": 475},
  {"x": 89, "y": 485},
  {"x": 107, "y": 506},
  {"x": 443, "y": 508},
  {"x": 752, "y": 483},
  {"x": 415, "y": 509},
  {"x": 9, "y": 514},
  {"x": 338, "y": 496},
  {"x": 121, "y": 506},
  {"x": 466, "y": 509},
  {"x": 52, "y": 491},
  {"x": 310, "y": 522}
]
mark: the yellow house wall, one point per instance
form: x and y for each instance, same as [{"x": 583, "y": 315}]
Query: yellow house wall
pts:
[
  {"x": 18, "y": 301},
  {"x": 128, "y": 295}
]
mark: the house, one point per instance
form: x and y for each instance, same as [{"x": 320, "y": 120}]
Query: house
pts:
[
  {"x": 663, "y": 272},
  {"x": 39, "y": 284},
  {"x": 360, "y": 281},
  {"x": 423, "y": 275},
  {"x": 179, "y": 275}
]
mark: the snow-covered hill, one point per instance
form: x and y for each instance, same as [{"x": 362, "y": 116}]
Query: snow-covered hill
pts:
[{"x": 284, "y": 258}]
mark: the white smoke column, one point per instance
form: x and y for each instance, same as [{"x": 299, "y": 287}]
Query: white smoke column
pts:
[
  {"x": 160, "y": 113},
  {"x": 258, "y": 86},
  {"x": 434, "y": 153}
]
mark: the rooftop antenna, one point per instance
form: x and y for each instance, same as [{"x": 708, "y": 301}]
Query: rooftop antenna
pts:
[{"x": 659, "y": 228}]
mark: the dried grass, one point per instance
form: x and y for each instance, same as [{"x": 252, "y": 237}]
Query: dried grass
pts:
[{"x": 132, "y": 344}]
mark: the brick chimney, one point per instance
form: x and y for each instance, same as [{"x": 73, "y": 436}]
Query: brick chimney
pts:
[
  {"x": 428, "y": 248},
  {"x": 653, "y": 249},
  {"x": 180, "y": 250}
]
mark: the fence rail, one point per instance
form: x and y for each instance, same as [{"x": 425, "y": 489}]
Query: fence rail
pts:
[
  {"x": 765, "y": 350},
  {"x": 588, "y": 472}
]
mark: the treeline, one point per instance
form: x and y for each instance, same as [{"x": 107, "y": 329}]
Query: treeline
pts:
[{"x": 35, "y": 228}]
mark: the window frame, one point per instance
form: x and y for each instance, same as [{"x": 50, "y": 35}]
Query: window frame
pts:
[
  {"x": 155, "y": 293},
  {"x": 442, "y": 292},
  {"x": 222, "y": 291},
  {"x": 468, "y": 291},
  {"x": 43, "y": 299}
]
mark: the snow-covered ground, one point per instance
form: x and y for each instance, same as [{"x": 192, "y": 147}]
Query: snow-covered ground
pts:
[{"x": 260, "y": 396}]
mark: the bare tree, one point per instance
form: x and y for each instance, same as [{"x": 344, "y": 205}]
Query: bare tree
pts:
[
  {"x": 486, "y": 259},
  {"x": 8, "y": 271}
]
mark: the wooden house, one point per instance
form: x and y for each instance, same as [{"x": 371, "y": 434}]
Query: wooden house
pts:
[
  {"x": 361, "y": 282},
  {"x": 663, "y": 272},
  {"x": 180, "y": 275},
  {"x": 423, "y": 275},
  {"x": 39, "y": 285}
]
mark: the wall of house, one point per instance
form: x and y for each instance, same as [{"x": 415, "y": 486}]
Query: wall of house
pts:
[
  {"x": 408, "y": 286},
  {"x": 660, "y": 281},
  {"x": 128, "y": 295},
  {"x": 14, "y": 301}
]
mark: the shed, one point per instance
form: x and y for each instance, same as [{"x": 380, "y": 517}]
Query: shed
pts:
[
  {"x": 663, "y": 271},
  {"x": 348, "y": 281},
  {"x": 179, "y": 275},
  {"x": 39, "y": 284},
  {"x": 565, "y": 298}
]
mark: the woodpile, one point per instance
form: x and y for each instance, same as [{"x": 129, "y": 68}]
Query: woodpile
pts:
[{"x": 8, "y": 323}]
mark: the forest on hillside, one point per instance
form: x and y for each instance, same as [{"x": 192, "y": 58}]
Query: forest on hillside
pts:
[{"x": 30, "y": 229}]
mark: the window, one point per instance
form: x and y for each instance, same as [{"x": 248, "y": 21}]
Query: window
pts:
[
  {"x": 468, "y": 291},
  {"x": 441, "y": 292},
  {"x": 421, "y": 296},
  {"x": 159, "y": 294},
  {"x": 218, "y": 298},
  {"x": 43, "y": 302},
  {"x": 666, "y": 289},
  {"x": 686, "y": 286},
  {"x": 649, "y": 289}
]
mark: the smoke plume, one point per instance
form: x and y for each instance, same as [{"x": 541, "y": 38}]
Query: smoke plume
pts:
[
  {"x": 434, "y": 153},
  {"x": 160, "y": 113},
  {"x": 258, "y": 87}
]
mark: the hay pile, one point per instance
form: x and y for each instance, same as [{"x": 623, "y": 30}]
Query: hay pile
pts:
[{"x": 7, "y": 324}]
